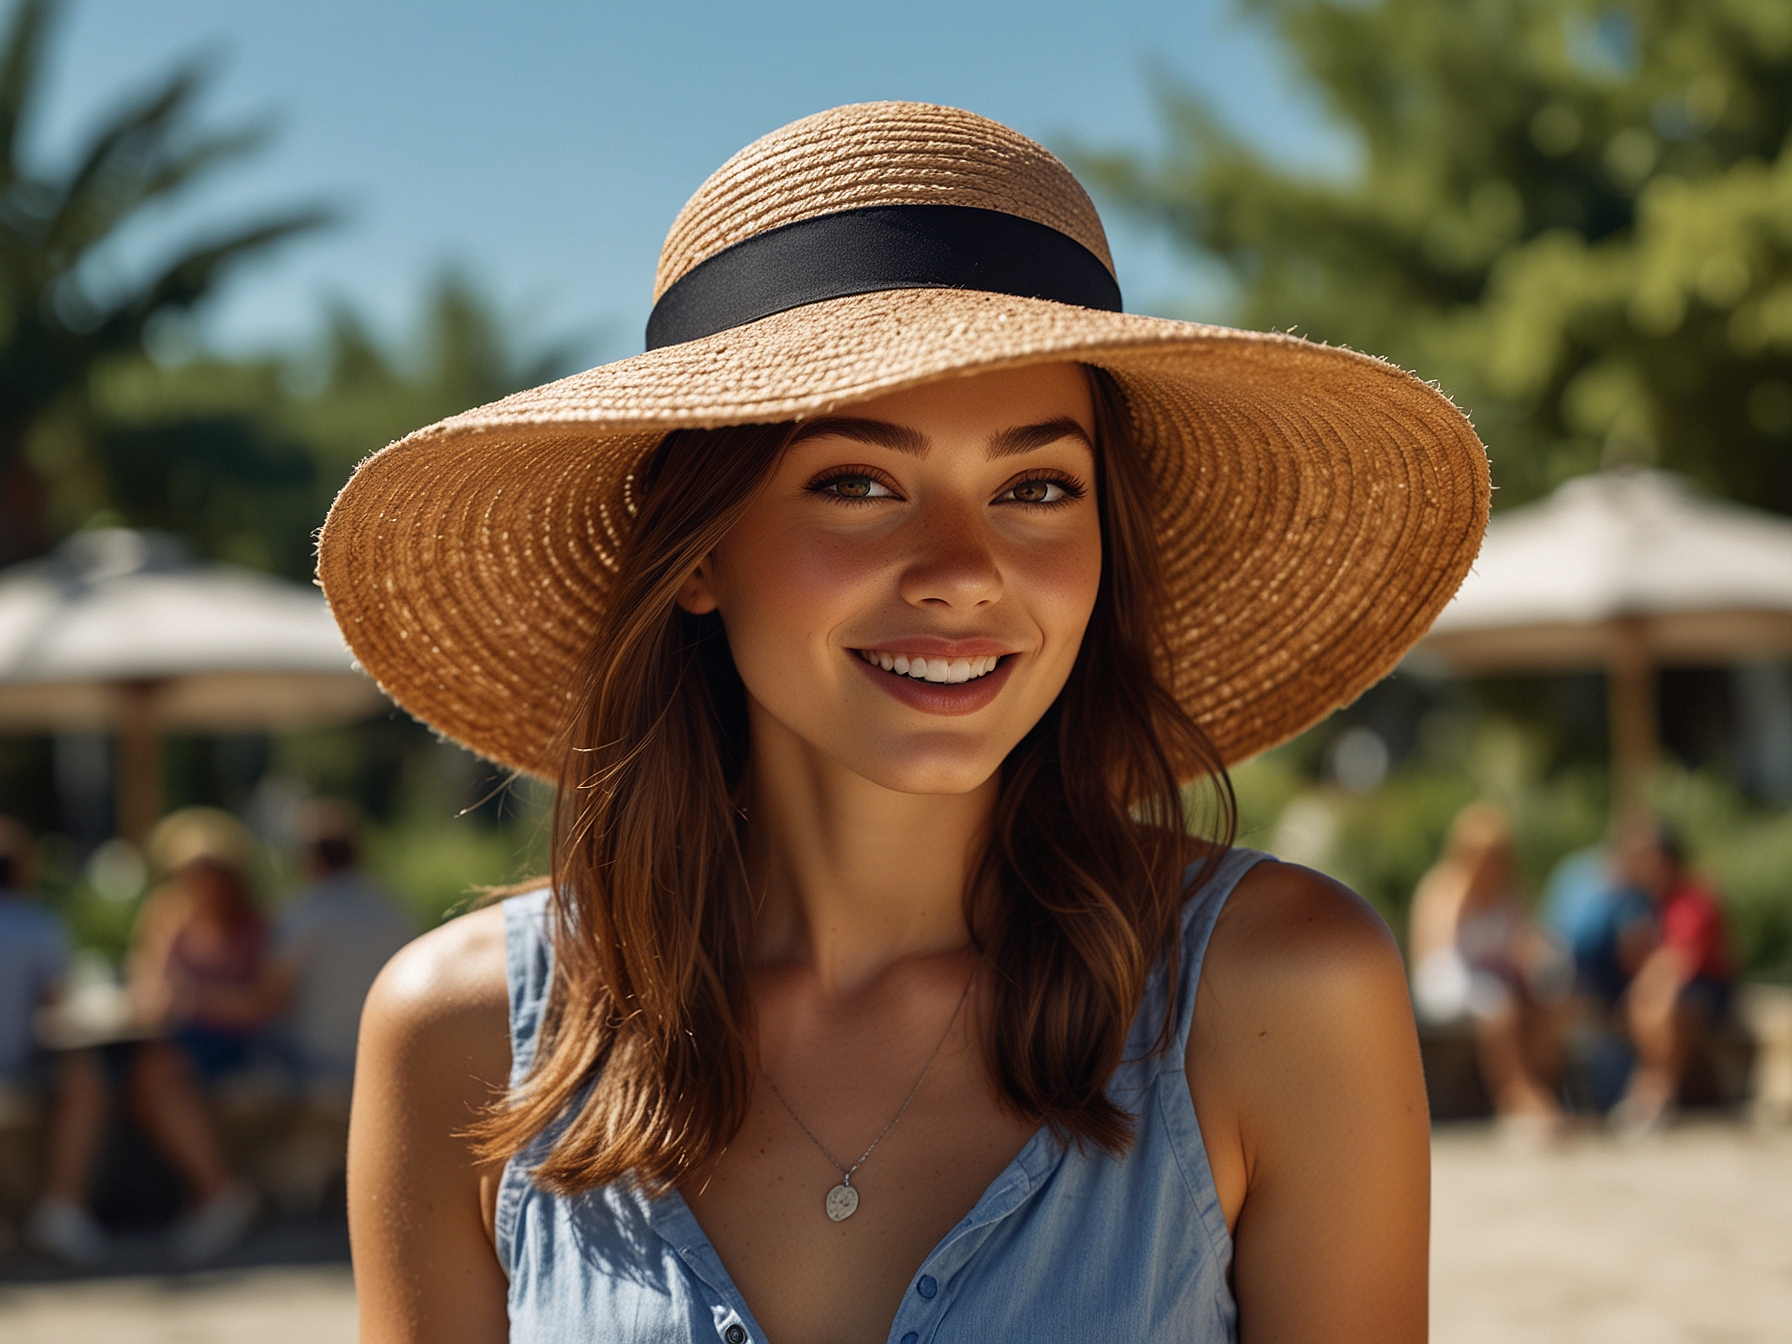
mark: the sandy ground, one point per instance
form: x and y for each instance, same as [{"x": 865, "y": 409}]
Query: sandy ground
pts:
[
  {"x": 1682, "y": 1237},
  {"x": 1687, "y": 1237},
  {"x": 284, "y": 1305}
]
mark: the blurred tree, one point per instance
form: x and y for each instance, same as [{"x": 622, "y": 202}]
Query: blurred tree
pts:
[
  {"x": 1574, "y": 214},
  {"x": 60, "y": 319},
  {"x": 461, "y": 355},
  {"x": 111, "y": 411},
  {"x": 243, "y": 457}
]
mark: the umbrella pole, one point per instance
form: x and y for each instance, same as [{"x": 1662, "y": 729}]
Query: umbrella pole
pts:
[
  {"x": 137, "y": 771},
  {"x": 1630, "y": 696}
]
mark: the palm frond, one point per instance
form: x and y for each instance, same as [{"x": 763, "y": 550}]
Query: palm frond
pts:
[
  {"x": 131, "y": 176},
  {"x": 21, "y": 66},
  {"x": 136, "y": 131},
  {"x": 191, "y": 276}
]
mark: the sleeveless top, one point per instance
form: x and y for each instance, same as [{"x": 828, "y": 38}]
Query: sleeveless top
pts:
[{"x": 1063, "y": 1246}]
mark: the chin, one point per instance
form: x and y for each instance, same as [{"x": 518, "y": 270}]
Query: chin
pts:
[{"x": 946, "y": 769}]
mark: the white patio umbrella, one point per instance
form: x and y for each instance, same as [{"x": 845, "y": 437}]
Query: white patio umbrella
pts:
[
  {"x": 1622, "y": 571},
  {"x": 124, "y": 631}
]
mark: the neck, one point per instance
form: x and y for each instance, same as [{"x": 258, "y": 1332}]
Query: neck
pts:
[{"x": 855, "y": 876}]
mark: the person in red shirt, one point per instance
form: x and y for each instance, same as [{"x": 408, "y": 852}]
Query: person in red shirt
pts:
[{"x": 1685, "y": 982}]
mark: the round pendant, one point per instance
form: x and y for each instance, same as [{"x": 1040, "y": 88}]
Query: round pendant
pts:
[{"x": 843, "y": 1202}]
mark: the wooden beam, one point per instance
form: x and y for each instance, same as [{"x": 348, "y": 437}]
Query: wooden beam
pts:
[
  {"x": 1630, "y": 702},
  {"x": 137, "y": 768}
]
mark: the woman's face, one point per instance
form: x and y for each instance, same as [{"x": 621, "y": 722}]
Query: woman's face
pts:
[{"x": 907, "y": 593}]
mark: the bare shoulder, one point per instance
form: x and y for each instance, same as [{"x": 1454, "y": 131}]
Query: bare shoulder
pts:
[
  {"x": 1300, "y": 941},
  {"x": 1303, "y": 1063},
  {"x": 1302, "y": 1021},
  {"x": 435, "y": 1054},
  {"x": 437, "y": 1022},
  {"x": 448, "y": 979}
]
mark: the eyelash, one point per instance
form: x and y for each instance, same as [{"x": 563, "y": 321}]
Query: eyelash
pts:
[{"x": 1072, "y": 489}]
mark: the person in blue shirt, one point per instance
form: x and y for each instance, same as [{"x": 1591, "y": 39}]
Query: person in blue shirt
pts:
[
  {"x": 69, "y": 1091},
  {"x": 1606, "y": 924},
  {"x": 331, "y": 938}
]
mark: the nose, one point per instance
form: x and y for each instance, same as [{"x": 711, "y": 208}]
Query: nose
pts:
[{"x": 953, "y": 563}]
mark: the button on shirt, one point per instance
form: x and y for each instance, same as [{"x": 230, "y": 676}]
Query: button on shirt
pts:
[{"x": 1071, "y": 1246}]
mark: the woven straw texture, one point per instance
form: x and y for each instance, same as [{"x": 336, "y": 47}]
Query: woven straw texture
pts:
[
  {"x": 870, "y": 154},
  {"x": 1316, "y": 507}
]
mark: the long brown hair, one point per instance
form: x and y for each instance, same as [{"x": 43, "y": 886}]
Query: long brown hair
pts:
[{"x": 644, "y": 1057}]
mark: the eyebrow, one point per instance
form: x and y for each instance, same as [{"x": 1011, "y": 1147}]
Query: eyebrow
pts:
[
  {"x": 1004, "y": 443},
  {"x": 880, "y": 432},
  {"x": 1025, "y": 438}
]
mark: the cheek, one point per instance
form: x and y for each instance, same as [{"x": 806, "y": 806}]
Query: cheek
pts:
[
  {"x": 789, "y": 584},
  {"x": 1063, "y": 582}
]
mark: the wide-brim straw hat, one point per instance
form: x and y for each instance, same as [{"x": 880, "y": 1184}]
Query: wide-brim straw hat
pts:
[{"x": 1316, "y": 507}]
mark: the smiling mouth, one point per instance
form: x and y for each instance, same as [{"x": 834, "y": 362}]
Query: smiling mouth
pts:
[{"x": 941, "y": 671}]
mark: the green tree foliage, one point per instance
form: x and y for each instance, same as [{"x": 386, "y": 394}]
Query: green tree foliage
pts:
[
  {"x": 59, "y": 322},
  {"x": 1576, "y": 216},
  {"x": 461, "y": 355},
  {"x": 243, "y": 457},
  {"x": 111, "y": 413}
]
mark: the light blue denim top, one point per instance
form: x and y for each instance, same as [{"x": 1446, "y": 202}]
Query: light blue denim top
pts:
[{"x": 1063, "y": 1246}]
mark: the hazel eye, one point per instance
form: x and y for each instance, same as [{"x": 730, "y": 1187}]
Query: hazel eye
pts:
[
  {"x": 1040, "y": 490},
  {"x": 853, "y": 486}
]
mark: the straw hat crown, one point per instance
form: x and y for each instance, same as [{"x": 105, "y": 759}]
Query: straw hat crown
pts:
[{"x": 872, "y": 154}]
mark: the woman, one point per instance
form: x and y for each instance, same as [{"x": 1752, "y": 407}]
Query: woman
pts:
[
  {"x": 1478, "y": 959},
  {"x": 198, "y": 954},
  {"x": 869, "y": 623},
  {"x": 197, "y": 974}
]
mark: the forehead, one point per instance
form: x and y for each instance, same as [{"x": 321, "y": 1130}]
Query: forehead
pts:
[{"x": 985, "y": 403}]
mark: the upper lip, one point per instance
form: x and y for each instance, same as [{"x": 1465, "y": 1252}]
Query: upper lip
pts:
[{"x": 927, "y": 646}]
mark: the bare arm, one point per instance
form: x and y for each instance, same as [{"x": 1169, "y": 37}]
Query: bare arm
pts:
[
  {"x": 435, "y": 1049},
  {"x": 1304, "y": 1066},
  {"x": 147, "y": 975},
  {"x": 1436, "y": 910}
]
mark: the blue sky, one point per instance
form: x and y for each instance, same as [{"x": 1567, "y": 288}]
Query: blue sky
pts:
[{"x": 546, "y": 145}]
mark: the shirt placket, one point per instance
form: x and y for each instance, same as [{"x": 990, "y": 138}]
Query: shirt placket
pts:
[
  {"x": 675, "y": 1224},
  {"x": 931, "y": 1291}
]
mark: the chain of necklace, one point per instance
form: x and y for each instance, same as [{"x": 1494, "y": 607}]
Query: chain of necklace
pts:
[{"x": 843, "y": 1200}]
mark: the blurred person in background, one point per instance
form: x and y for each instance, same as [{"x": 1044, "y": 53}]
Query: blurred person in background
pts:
[
  {"x": 1684, "y": 982},
  {"x": 1478, "y": 959},
  {"x": 197, "y": 972},
  {"x": 33, "y": 961},
  {"x": 330, "y": 940},
  {"x": 1607, "y": 924}
]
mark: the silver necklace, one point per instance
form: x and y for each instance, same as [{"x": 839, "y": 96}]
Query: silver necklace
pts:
[{"x": 843, "y": 1200}]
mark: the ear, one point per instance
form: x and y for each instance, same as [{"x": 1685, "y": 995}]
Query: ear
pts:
[{"x": 697, "y": 594}]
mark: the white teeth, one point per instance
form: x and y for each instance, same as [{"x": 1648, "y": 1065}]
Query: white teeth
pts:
[{"x": 945, "y": 671}]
